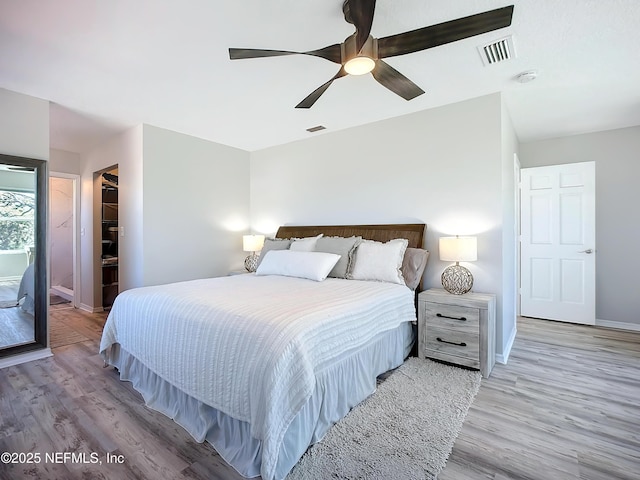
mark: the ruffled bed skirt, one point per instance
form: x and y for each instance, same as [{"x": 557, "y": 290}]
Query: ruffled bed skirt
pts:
[{"x": 339, "y": 387}]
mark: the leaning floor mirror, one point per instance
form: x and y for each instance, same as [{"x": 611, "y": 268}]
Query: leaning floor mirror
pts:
[{"x": 23, "y": 255}]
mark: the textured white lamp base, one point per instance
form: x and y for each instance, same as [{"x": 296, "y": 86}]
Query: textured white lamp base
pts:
[
  {"x": 251, "y": 262},
  {"x": 457, "y": 280}
]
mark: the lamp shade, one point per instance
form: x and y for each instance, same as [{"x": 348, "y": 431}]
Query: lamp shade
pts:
[
  {"x": 252, "y": 243},
  {"x": 458, "y": 249}
]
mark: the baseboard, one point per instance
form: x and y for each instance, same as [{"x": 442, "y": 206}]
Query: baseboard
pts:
[
  {"x": 633, "y": 327},
  {"x": 61, "y": 291},
  {"x": 504, "y": 357},
  {"x": 25, "y": 357},
  {"x": 90, "y": 309}
]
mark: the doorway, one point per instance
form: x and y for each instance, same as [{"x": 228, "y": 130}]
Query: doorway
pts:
[
  {"x": 106, "y": 182},
  {"x": 63, "y": 227},
  {"x": 558, "y": 243}
]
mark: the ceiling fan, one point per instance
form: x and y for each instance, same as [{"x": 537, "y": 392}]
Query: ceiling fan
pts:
[{"x": 360, "y": 53}]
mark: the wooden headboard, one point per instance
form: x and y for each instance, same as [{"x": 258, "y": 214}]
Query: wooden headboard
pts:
[{"x": 414, "y": 232}]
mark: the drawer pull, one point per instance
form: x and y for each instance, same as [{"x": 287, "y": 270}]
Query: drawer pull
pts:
[
  {"x": 462, "y": 319},
  {"x": 461, "y": 344}
]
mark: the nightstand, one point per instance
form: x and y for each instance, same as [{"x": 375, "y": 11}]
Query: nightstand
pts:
[{"x": 458, "y": 329}]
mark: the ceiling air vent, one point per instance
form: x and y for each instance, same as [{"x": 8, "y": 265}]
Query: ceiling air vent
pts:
[{"x": 497, "y": 51}]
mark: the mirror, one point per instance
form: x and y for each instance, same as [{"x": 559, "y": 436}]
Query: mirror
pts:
[{"x": 23, "y": 254}]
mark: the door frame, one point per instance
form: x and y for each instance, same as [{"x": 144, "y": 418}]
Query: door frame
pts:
[
  {"x": 76, "y": 232},
  {"x": 518, "y": 232}
]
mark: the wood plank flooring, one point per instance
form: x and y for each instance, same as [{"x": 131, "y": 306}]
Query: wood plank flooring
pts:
[{"x": 567, "y": 406}]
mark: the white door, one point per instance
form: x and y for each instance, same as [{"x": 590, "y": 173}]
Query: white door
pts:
[{"x": 558, "y": 242}]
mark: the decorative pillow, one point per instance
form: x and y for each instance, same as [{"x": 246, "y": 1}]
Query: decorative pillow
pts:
[
  {"x": 345, "y": 247},
  {"x": 312, "y": 265},
  {"x": 273, "y": 244},
  {"x": 380, "y": 261},
  {"x": 307, "y": 244},
  {"x": 413, "y": 265}
]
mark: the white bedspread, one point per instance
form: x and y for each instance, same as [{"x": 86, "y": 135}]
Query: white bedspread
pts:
[
  {"x": 249, "y": 345},
  {"x": 27, "y": 290}
]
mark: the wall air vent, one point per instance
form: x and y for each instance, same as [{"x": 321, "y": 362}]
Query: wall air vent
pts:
[
  {"x": 497, "y": 51},
  {"x": 316, "y": 129}
]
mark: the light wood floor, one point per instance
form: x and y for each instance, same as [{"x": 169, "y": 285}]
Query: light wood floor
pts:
[
  {"x": 567, "y": 406},
  {"x": 16, "y": 326}
]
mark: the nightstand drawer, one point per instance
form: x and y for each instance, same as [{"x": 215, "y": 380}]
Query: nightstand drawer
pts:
[
  {"x": 455, "y": 359},
  {"x": 452, "y": 316},
  {"x": 453, "y": 342}
]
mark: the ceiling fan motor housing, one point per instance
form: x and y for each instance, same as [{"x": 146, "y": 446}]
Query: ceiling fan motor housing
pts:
[{"x": 348, "y": 49}]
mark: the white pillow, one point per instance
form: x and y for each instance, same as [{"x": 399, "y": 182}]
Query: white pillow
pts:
[
  {"x": 307, "y": 244},
  {"x": 380, "y": 261},
  {"x": 312, "y": 265}
]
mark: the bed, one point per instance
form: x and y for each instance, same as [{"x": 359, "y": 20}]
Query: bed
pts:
[
  {"x": 26, "y": 293},
  {"x": 261, "y": 365}
]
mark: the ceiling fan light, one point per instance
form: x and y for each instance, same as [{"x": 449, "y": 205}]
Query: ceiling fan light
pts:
[{"x": 359, "y": 65}]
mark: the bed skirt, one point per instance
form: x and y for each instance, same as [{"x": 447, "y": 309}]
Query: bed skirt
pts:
[{"x": 339, "y": 387}]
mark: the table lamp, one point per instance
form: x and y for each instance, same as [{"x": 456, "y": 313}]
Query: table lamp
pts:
[
  {"x": 457, "y": 279},
  {"x": 253, "y": 244}
]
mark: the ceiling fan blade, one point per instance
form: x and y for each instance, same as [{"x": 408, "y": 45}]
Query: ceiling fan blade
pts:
[
  {"x": 315, "y": 95},
  {"x": 443, "y": 33},
  {"x": 389, "y": 77},
  {"x": 331, "y": 53},
  {"x": 239, "y": 53},
  {"x": 360, "y": 14}
]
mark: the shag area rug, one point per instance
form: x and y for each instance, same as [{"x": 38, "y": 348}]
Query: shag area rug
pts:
[{"x": 405, "y": 430}]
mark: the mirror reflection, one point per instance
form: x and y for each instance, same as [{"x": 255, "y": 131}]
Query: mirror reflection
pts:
[{"x": 17, "y": 255}]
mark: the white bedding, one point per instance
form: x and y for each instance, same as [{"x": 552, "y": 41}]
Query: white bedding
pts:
[
  {"x": 27, "y": 290},
  {"x": 251, "y": 346}
]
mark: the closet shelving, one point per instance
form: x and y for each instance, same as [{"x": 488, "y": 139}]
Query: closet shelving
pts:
[{"x": 109, "y": 256}]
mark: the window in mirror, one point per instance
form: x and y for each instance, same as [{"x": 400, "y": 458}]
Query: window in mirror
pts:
[{"x": 23, "y": 295}]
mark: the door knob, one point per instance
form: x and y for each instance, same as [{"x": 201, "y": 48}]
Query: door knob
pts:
[{"x": 588, "y": 250}]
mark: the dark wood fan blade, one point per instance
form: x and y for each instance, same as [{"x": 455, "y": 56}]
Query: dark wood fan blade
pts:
[
  {"x": 443, "y": 33},
  {"x": 315, "y": 95},
  {"x": 360, "y": 14},
  {"x": 240, "y": 53},
  {"x": 331, "y": 53},
  {"x": 389, "y": 77}
]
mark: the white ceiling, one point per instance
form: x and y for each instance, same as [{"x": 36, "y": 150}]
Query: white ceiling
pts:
[{"x": 109, "y": 65}]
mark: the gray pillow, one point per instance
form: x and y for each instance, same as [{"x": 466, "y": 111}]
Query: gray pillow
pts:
[
  {"x": 274, "y": 244},
  {"x": 341, "y": 246},
  {"x": 413, "y": 265}
]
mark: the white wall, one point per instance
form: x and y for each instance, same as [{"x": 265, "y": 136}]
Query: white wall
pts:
[
  {"x": 442, "y": 166},
  {"x": 61, "y": 161},
  {"x": 507, "y": 334},
  {"x": 617, "y": 157},
  {"x": 196, "y": 207},
  {"x": 130, "y": 208},
  {"x": 124, "y": 150},
  {"x": 24, "y": 125},
  {"x": 183, "y": 204}
]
